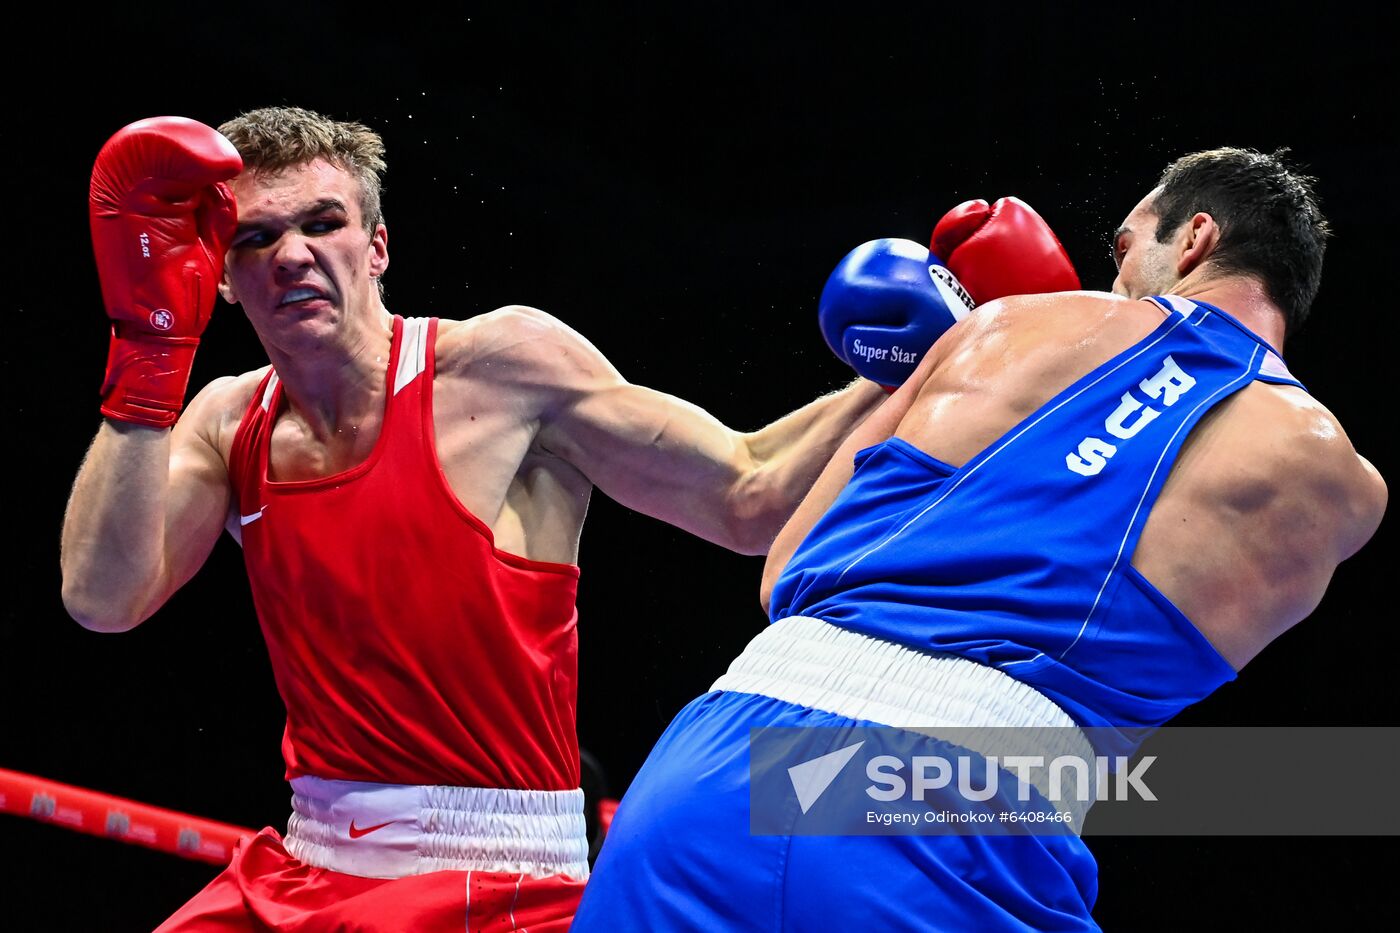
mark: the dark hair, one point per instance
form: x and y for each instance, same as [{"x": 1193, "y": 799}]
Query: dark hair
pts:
[
  {"x": 275, "y": 138},
  {"x": 1270, "y": 223}
]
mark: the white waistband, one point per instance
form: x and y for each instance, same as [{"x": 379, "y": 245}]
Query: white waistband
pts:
[
  {"x": 811, "y": 663},
  {"x": 394, "y": 830}
]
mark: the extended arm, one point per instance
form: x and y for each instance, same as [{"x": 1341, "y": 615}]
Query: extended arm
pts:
[
  {"x": 878, "y": 427},
  {"x": 669, "y": 459}
]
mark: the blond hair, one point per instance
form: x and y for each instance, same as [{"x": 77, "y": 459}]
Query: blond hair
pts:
[{"x": 274, "y": 138}]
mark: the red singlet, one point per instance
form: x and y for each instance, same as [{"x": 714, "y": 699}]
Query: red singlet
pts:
[{"x": 406, "y": 647}]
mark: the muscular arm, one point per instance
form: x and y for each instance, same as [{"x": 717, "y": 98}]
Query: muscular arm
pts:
[
  {"x": 669, "y": 459},
  {"x": 1370, "y": 502},
  {"x": 878, "y": 427},
  {"x": 1265, "y": 499},
  {"x": 144, "y": 513}
]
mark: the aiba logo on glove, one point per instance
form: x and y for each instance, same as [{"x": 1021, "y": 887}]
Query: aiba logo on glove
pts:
[{"x": 161, "y": 319}]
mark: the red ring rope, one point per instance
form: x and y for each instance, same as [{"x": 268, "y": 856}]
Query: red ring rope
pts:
[{"x": 98, "y": 814}]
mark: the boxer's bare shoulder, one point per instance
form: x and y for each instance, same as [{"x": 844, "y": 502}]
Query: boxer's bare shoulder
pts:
[
  {"x": 496, "y": 376},
  {"x": 1265, "y": 499},
  {"x": 514, "y": 344},
  {"x": 213, "y": 415},
  {"x": 998, "y": 366},
  {"x": 1301, "y": 446},
  {"x": 1066, "y": 333},
  {"x": 518, "y": 364}
]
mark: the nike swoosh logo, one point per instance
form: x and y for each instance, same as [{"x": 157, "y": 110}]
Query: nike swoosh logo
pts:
[{"x": 356, "y": 832}]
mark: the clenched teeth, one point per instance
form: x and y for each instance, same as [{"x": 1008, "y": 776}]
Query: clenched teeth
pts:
[{"x": 300, "y": 294}]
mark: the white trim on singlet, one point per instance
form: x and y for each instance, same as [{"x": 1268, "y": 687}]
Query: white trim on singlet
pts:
[
  {"x": 1183, "y": 306},
  {"x": 266, "y": 403},
  {"x": 413, "y": 351},
  {"x": 1274, "y": 367},
  {"x": 413, "y": 360}
]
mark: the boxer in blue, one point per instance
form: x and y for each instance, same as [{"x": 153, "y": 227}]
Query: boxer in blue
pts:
[{"x": 1081, "y": 508}]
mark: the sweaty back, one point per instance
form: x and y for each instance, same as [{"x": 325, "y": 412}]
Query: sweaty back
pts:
[{"x": 1021, "y": 558}]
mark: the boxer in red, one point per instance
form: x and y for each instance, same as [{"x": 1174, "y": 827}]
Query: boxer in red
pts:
[{"x": 409, "y": 495}]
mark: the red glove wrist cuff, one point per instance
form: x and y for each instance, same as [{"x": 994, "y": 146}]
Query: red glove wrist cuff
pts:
[{"x": 147, "y": 377}]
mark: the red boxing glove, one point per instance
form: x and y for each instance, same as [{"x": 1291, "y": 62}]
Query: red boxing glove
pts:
[
  {"x": 161, "y": 223},
  {"x": 1002, "y": 249}
]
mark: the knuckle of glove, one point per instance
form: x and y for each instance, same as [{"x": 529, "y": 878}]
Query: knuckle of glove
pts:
[
  {"x": 958, "y": 225},
  {"x": 178, "y": 150},
  {"x": 1013, "y": 252},
  {"x": 161, "y": 221},
  {"x": 160, "y": 164}
]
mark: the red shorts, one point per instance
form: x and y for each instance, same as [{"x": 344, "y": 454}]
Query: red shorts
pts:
[{"x": 264, "y": 888}]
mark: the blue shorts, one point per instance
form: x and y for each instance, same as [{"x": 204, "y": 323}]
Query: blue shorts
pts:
[{"x": 679, "y": 854}]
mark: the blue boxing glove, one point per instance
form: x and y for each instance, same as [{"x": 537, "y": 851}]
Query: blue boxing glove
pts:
[{"x": 885, "y": 305}]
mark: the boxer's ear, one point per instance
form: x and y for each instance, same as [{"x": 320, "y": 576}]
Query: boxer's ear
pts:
[
  {"x": 1197, "y": 241},
  {"x": 226, "y": 288},
  {"x": 378, "y": 251}
]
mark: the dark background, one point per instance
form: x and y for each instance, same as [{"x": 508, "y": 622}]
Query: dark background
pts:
[{"x": 676, "y": 185}]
